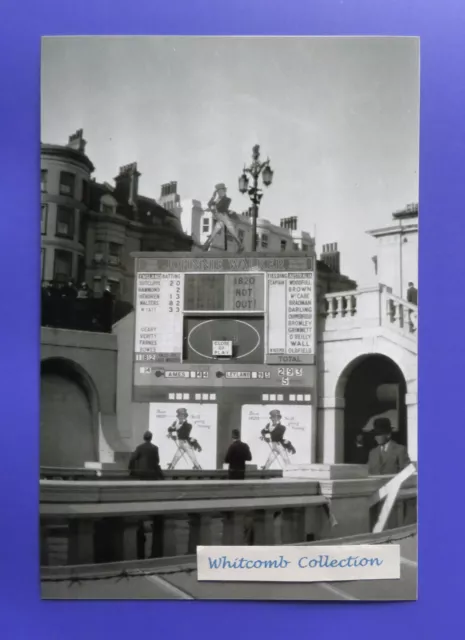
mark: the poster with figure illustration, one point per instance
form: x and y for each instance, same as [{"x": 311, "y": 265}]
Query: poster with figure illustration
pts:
[
  {"x": 185, "y": 434},
  {"x": 278, "y": 435}
]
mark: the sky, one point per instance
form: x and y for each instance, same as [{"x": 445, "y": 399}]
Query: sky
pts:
[{"x": 338, "y": 118}]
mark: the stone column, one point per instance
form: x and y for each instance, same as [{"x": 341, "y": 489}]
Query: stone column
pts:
[
  {"x": 412, "y": 425},
  {"x": 331, "y": 430}
]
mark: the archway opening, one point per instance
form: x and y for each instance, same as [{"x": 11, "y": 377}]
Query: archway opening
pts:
[
  {"x": 68, "y": 415},
  {"x": 374, "y": 386}
]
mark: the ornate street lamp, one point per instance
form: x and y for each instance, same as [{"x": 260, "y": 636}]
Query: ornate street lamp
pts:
[{"x": 255, "y": 193}]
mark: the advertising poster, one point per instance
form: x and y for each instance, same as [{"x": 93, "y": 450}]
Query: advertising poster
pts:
[
  {"x": 278, "y": 435},
  {"x": 185, "y": 434}
]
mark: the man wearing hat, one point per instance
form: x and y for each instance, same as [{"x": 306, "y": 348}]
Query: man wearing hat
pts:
[
  {"x": 388, "y": 458},
  {"x": 219, "y": 206},
  {"x": 273, "y": 434}
]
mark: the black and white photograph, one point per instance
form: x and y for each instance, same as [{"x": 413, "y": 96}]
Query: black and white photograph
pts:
[{"x": 229, "y": 310}]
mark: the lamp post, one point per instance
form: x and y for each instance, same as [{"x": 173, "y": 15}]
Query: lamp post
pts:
[{"x": 255, "y": 169}]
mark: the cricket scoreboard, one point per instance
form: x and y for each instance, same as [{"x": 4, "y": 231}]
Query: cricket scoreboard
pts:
[{"x": 237, "y": 332}]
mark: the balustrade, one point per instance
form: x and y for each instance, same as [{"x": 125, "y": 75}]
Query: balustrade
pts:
[
  {"x": 366, "y": 307},
  {"x": 401, "y": 314},
  {"x": 110, "y": 473},
  {"x": 100, "y": 522}
]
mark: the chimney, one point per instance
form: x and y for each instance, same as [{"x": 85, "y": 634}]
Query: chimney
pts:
[
  {"x": 127, "y": 183},
  {"x": 331, "y": 257},
  {"x": 289, "y": 223},
  {"x": 76, "y": 141}
]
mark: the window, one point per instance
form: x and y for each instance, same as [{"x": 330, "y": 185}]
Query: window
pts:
[
  {"x": 63, "y": 267},
  {"x": 43, "y": 180},
  {"x": 305, "y": 247},
  {"x": 114, "y": 287},
  {"x": 206, "y": 225},
  {"x": 283, "y": 245},
  {"x": 65, "y": 222},
  {"x": 241, "y": 234},
  {"x": 264, "y": 241},
  {"x": 42, "y": 263},
  {"x": 81, "y": 269},
  {"x": 295, "y": 246},
  {"x": 107, "y": 208},
  {"x": 43, "y": 219},
  {"x": 82, "y": 227},
  {"x": 85, "y": 192},
  {"x": 98, "y": 252},
  {"x": 67, "y": 181},
  {"x": 114, "y": 252}
]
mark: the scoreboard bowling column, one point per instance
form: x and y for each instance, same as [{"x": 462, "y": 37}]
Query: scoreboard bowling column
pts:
[{"x": 232, "y": 340}]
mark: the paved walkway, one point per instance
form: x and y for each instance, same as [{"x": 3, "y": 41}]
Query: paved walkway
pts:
[{"x": 183, "y": 585}]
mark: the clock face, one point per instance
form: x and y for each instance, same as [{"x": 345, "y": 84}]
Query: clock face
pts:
[{"x": 246, "y": 337}]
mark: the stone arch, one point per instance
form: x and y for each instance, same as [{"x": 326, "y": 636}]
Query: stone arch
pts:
[
  {"x": 370, "y": 386},
  {"x": 70, "y": 414}
]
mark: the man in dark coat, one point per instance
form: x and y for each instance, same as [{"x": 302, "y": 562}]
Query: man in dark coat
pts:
[
  {"x": 237, "y": 455},
  {"x": 412, "y": 294},
  {"x": 145, "y": 465},
  {"x": 388, "y": 458},
  {"x": 145, "y": 461}
]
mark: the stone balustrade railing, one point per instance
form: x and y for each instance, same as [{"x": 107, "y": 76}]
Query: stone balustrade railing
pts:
[
  {"x": 401, "y": 314},
  {"x": 113, "y": 473},
  {"x": 93, "y": 522},
  {"x": 374, "y": 306}
]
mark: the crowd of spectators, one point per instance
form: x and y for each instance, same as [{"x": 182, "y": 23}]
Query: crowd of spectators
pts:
[{"x": 67, "y": 306}]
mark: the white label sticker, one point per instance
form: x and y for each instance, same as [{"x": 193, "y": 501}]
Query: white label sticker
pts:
[{"x": 299, "y": 563}]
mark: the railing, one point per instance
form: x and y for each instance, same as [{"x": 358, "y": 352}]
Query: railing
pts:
[
  {"x": 368, "y": 307},
  {"x": 62, "y": 311},
  {"x": 401, "y": 314},
  {"x": 62, "y": 473},
  {"x": 99, "y": 522},
  {"x": 85, "y": 523}
]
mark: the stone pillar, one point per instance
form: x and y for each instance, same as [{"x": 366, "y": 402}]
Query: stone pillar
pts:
[
  {"x": 81, "y": 542},
  {"x": 200, "y": 531},
  {"x": 331, "y": 429},
  {"x": 412, "y": 425},
  {"x": 105, "y": 452}
]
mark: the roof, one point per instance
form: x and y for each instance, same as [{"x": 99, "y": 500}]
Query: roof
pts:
[
  {"x": 67, "y": 152},
  {"x": 148, "y": 211}
]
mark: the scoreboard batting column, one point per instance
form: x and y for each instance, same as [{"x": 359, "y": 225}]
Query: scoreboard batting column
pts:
[{"x": 231, "y": 340}]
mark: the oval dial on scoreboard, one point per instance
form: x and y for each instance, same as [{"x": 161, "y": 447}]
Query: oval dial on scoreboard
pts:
[{"x": 245, "y": 337}]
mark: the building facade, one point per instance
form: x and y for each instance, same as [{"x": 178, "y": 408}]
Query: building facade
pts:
[
  {"x": 396, "y": 259},
  {"x": 89, "y": 229}
]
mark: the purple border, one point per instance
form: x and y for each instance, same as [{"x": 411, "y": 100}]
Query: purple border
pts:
[{"x": 440, "y": 25}]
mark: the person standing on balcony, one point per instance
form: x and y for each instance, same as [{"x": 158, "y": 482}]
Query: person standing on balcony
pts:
[
  {"x": 237, "y": 455},
  {"x": 144, "y": 463},
  {"x": 412, "y": 294},
  {"x": 388, "y": 458}
]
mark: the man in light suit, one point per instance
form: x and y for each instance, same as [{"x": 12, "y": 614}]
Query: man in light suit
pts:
[{"x": 388, "y": 458}]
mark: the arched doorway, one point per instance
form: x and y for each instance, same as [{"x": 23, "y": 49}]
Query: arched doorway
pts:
[
  {"x": 373, "y": 386},
  {"x": 68, "y": 415}
]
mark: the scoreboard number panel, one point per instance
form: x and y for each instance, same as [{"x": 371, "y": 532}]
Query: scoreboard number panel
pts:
[
  {"x": 159, "y": 317},
  {"x": 248, "y": 314}
]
